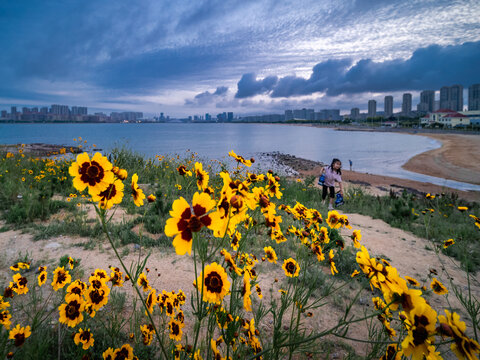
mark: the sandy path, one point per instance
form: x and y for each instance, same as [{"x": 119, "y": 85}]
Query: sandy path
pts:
[{"x": 458, "y": 158}]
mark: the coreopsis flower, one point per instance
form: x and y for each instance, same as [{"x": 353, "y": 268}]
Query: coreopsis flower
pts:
[
  {"x": 462, "y": 208},
  {"x": 137, "y": 193},
  {"x": 71, "y": 312},
  {"x": 236, "y": 237},
  {"x": 123, "y": 353},
  {"x": 112, "y": 195},
  {"x": 142, "y": 281},
  {"x": 356, "y": 237},
  {"x": 186, "y": 220},
  {"x": 116, "y": 277},
  {"x": 412, "y": 281},
  {"x": 19, "y": 284},
  {"x": 317, "y": 250},
  {"x": 451, "y": 326},
  {"x": 254, "y": 178},
  {"x": 215, "y": 283},
  {"x": 5, "y": 317},
  {"x": 19, "y": 334},
  {"x": 247, "y": 292},
  {"x": 273, "y": 186},
  {"x": 240, "y": 159},
  {"x": 420, "y": 325},
  {"x": 147, "y": 334},
  {"x": 448, "y": 243},
  {"x": 42, "y": 278},
  {"x": 96, "y": 297},
  {"x": 122, "y": 174},
  {"x": 202, "y": 176},
  {"x": 392, "y": 353},
  {"x": 108, "y": 354},
  {"x": 259, "y": 291},
  {"x": 323, "y": 235},
  {"x": 77, "y": 287},
  {"x": 270, "y": 254},
  {"x": 291, "y": 267},
  {"x": 151, "y": 301},
  {"x": 333, "y": 219},
  {"x": 151, "y": 198},
  {"x": 438, "y": 287},
  {"x": 84, "y": 337},
  {"x": 430, "y": 196},
  {"x": 182, "y": 170},
  {"x": 71, "y": 262},
  {"x": 61, "y": 277},
  {"x": 477, "y": 220},
  {"x": 333, "y": 268},
  {"x": 96, "y": 174},
  {"x": 20, "y": 266},
  {"x": 230, "y": 262},
  {"x": 354, "y": 273},
  {"x": 175, "y": 328}
]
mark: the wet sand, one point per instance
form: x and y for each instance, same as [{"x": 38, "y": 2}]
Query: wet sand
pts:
[{"x": 458, "y": 158}]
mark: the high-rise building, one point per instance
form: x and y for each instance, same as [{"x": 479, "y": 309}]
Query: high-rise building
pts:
[
  {"x": 59, "y": 109},
  {"x": 13, "y": 110},
  {"x": 451, "y": 97},
  {"x": 355, "y": 113},
  {"x": 288, "y": 115},
  {"x": 407, "y": 104},
  {"x": 79, "y": 110},
  {"x": 372, "y": 108},
  {"x": 388, "y": 106},
  {"x": 456, "y": 97},
  {"x": 427, "y": 101},
  {"x": 230, "y": 116},
  {"x": 474, "y": 97}
]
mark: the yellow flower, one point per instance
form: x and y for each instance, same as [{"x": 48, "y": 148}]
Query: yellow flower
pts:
[
  {"x": 20, "y": 265},
  {"x": 333, "y": 219},
  {"x": 463, "y": 346},
  {"x": 122, "y": 174},
  {"x": 448, "y": 243},
  {"x": 270, "y": 254},
  {"x": 215, "y": 283},
  {"x": 151, "y": 198},
  {"x": 241, "y": 159},
  {"x": 123, "y": 353},
  {"x": 96, "y": 174},
  {"x": 438, "y": 287},
  {"x": 71, "y": 312},
  {"x": 19, "y": 334},
  {"x": 5, "y": 317},
  {"x": 19, "y": 284},
  {"x": 112, "y": 195},
  {"x": 420, "y": 324},
  {"x": 147, "y": 334},
  {"x": 61, "y": 277},
  {"x": 182, "y": 170},
  {"x": 143, "y": 282},
  {"x": 42, "y": 278},
  {"x": 462, "y": 208},
  {"x": 291, "y": 268},
  {"x": 137, "y": 193},
  {"x": 412, "y": 281},
  {"x": 175, "y": 327},
  {"x": 333, "y": 268},
  {"x": 184, "y": 222},
  {"x": 356, "y": 237},
  {"x": 246, "y": 292},
  {"x": 202, "y": 176},
  {"x": 84, "y": 337}
]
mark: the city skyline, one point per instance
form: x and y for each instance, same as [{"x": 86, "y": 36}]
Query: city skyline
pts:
[{"x": 247, "y": 57}]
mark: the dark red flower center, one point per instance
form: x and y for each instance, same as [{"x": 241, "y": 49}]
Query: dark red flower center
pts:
[{"x": 213, "y": 282}]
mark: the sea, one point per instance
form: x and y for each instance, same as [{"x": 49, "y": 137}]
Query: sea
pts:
[{"x": 381, "y": 153}]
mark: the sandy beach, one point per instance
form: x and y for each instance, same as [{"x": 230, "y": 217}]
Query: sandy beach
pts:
[{"x": 458, "y": 158}]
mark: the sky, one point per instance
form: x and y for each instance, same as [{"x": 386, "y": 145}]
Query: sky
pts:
[{"x": 250, "y": 57}]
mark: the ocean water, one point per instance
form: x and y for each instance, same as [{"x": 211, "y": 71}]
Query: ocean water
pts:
[{"x": 379, "y": 153}]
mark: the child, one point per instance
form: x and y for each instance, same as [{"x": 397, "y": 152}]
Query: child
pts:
[{"x": 333, "y": 173}]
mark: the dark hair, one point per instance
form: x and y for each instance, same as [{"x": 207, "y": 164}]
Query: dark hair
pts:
[{"x": 339, "y": 171}]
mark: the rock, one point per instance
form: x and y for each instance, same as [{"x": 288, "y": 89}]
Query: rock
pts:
[{"x": 53, "y": 245}]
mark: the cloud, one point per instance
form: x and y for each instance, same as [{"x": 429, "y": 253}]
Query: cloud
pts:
[
  {"x": 428, "y": 68},
  {"x": 207, "y": 97},
  {"x": 249, "y": 85}
]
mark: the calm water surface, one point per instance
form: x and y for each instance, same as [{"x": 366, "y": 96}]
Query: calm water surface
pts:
[{"x": 372, "y": 152}]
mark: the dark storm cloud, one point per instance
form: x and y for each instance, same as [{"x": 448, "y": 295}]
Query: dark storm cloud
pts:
[
  {"x": 428, "y": 68},
  {"x": 250, "y": 86}
]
